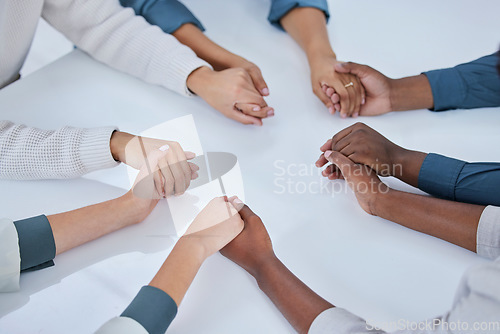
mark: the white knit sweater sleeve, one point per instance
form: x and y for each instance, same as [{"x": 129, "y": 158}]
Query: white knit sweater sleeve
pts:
[
  {"x": 28, "y": 153},
  {"x": 117, "y": 37}
]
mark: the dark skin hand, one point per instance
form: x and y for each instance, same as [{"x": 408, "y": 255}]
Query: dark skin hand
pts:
[
  {"x": 364, "y": 145},
  {"x": 253, "y": 251},
  {"x": 384, "y": 94},
  {"x": 451, "y": 221}
]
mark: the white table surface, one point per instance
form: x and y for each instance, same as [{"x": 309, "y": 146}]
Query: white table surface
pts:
[{"x": 377, "y": 269}]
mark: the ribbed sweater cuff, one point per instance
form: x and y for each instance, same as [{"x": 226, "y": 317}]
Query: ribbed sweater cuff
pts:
[
  {"x": 179, "y": 70},
  {"x": 95, "y": 152}
]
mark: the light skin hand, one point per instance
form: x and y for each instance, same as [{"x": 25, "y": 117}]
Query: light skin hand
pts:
[
  {"x": 252, "y": 250},
  {"x": 231, "y": 92},
  {"x": 307, "y": 26},
  {"x": 451, "y": 221},
  {"x": 222, "y": 224},
  {"x": 364, "y": 145},
  {"x": 220, "y": 58},
  {"x": 174, "y": 167},
  {"x": 384, "y": 94}
]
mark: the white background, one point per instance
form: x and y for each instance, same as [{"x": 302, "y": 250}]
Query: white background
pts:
[{"x": 375, "y": 268}]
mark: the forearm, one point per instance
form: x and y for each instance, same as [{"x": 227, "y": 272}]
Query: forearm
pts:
[
  {"x": 451, "y": 221},
  {"x": 179, "y": 269},
  {"x": 77, "y": 227},
  {"x": 411, "y": 93},
  {"x": 307, "y": 26},
  {"x": 297, "y": 302},
  {"x": 407, "y": 165},
  {"x": 220, "y": 58}
]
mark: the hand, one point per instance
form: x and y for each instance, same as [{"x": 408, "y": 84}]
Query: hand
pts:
[
  {"x": 253, "y": 247},
  {"x": 215, "y": 226},
  {"x": 361, "y": 179},
  {"x": 173, "y": 166},
  {"x": 326, "y": 81},
  {"x": 252, "y": 70},
  {"x": 232, "y": 92},
  {"x": 364, "y": 145},
  {"x": 378, "y": 88}
]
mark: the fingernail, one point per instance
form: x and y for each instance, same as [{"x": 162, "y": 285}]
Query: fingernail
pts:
[
  {"x": 265, "y": 91},
  {"x": 330, "y": 110},
  {"x": 164, "y": 148},
  {"x": 256, "y": 109},
  {"x": 270, "y": 113},
  {"x": 237, "y": 201},
  {"x": 355, "y": 115},
  {"x": 343, "y": 115},
  {"x": 363, "y": 101},
  {"x": 328, "y": 153}
]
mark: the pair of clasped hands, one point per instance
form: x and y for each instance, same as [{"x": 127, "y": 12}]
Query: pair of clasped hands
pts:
[{"x": 350, "y": 89}]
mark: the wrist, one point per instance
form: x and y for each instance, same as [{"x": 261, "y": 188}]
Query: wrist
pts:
[
  {"x": 382, "y": 199},
  {"x": 319, "y": 52},
  {"x": 118, "y": 143},
  {"x": 199, "y": 79},
  {"x": 264, "y": 267},
  {"x": 411, "y": 93},
  {"x": 135, "y": 209},
  {"x": 192, "y": 247}
]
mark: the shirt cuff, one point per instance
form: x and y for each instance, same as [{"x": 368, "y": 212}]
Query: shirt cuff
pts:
[
  {"x": 37, "y": 247},
  {"x": 338, "y": 320},
  {"x": 438, "y": 175},
  {"x": 95, "y": 151},
  {"x": 280, "y": 8},
  {"x": 488, "y": 230},
  {"x": 153, "y": 308},
  {"x": 448, "y": 90}
]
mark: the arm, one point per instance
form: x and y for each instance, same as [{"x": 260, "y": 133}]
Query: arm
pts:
[
  {"x": 444, "y": 177},
  {"x": 307, "y": 26},
  {"x": 155, "y": 306},
  {"x": 118, "y": 38},
  {"x": 471, "y": 85},
  {"x": 252, "y": 250},
  {"x": 451, "y": 221}
]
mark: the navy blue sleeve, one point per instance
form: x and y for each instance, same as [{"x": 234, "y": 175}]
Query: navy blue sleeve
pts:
[
  {"x": 456, "y": 180},
  {"x": 37, "y": 247},
  {"x": 470, "y": 85},
  {"x": 153, "y": 308},
  {"x": 280, "y": 8},
  {"x": 169, "y": 15}
]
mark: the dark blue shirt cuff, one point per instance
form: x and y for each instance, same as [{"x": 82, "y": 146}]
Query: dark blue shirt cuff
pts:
[
  {"x": 37, "y": 247},
  {"x": 153, "y": 308},
  {"x": 471, "y": 85},
  {"x": 280, "y": 8},
  {"x": 439, "y": 174},
  {"x": 169, "y": 15}
]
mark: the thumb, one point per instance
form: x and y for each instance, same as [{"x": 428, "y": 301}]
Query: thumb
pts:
[
  {"x": 353, "y": 68},
  {"x": 343, "y": 163},
  {"x": 243, "y": 209},
  {"x": 258, "y": 81}
]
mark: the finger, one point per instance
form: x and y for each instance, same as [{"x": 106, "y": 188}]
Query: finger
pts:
[
  {"x": 189, "y": 155},
  {"x": 341, "y": 134},
  {"x": 183, "y": 164},
  {"x": 325, "y": 99},
  {"x": 178, "y": 174},
  {"x": 252, "y": 109},
  {"x": 345, "y": 104},
  {"x": 329, "y": 92},
  {"x": 335, "y": 98},
  {"x": 351, "y": 90},
  {"x": 194, "y": 176},
  {"x": 258, "y": 81},
  {"x": 168, "y": 178},
  {"x": 357, "y": 104},
  {"x": 245, "y": 119},
  {"x": 359, "y": 70},
  {"x": 326, "y": 146},
  {"x": 343, "y": 163},
  {"x": 158, "y": 183},
  {"x": 321, "y": 161},
  {"x": 236, "y": 202},
  {"x": 193, "y": 167},
  {"x": 332, "y": 173},
  {"x": 324, "y": 88}
]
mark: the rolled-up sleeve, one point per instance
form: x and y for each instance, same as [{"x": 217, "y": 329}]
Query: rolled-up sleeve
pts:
[
  {"x": 488, "y": 233},
  {"x": 280, "y": 8},
  {"x": 457, "y": 180},
  {"x": 10, "y": 260},
  {"x": 169, "y": 15},
  {"x": 471, "y": 85}
]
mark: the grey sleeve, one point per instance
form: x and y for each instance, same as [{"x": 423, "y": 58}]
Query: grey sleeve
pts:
[{"x": 488, "y": 233}]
